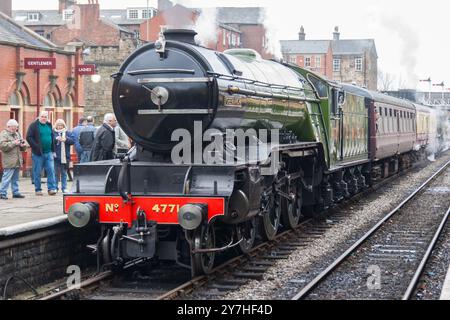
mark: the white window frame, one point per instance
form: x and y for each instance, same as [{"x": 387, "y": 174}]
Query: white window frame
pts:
[
  {"x": 68, "y": 14},
  {"x": 358, "y": 64},
  {"x": 133, "y": 14},
  {"x": 224, "y": 37},
  {"x": 33, "y": 16},
  {"x": 233, "y": 39},
  {"x": 318, "y": 62},
  {"x": 336, "y": 65},
  {"x": 307, "y": 62},
  {"x": 293, "y": 59}
]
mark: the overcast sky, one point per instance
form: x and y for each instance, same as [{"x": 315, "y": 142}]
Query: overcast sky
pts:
[{"x": 410, "y": 36}]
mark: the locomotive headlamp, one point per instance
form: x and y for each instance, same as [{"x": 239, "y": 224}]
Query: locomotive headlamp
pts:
[
  {"x": 81, "y": 214},
  {"x": 190, "y": 216}
]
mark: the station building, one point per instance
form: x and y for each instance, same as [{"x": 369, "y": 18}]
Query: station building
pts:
[
  {"x": 344, "y": 60},
  {"x": 60, "y": 90}
]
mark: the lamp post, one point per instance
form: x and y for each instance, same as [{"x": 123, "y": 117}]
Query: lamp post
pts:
[{"x": 429, "y": 88}]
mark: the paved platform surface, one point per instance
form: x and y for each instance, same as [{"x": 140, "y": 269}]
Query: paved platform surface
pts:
[
  {"x": 445, "y": 294},
  {"x": 31, "y": 209}
]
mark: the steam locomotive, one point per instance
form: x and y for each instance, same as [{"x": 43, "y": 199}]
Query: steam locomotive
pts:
[{"x": 327, "y": 142}]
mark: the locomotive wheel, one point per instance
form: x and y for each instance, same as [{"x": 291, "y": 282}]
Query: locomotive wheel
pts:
[
  {"x": 292, "y": 209},
  {"x": 271, "y": 214},
  {"x": 204, "y": 238},
  {"x": 247, "y": 232}
]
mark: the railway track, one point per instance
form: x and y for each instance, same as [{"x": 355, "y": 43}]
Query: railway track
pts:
[
  {"x": 394, "y": 252},
  {"x": 227, "y": 277}
]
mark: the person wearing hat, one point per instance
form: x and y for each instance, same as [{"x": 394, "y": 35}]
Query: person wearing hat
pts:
[
  {"x": 11, "y": 146},
  {"x": 63, "y": 141}
]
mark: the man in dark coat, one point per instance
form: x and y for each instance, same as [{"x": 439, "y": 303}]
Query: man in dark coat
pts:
[
  {"x": 40, "y": 139},
  {"x": 104, "y": 141}
]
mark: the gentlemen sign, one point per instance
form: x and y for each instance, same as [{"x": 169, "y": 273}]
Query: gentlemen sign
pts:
[
  {"x": 40, "y": 63},
  {"x": 86, "y": 69}
]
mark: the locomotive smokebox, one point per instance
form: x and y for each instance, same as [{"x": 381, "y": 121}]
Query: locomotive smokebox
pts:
[{"x": 182, "y": 35}]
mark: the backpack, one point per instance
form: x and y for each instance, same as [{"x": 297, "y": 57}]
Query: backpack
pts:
[{"x": 86, "y": 139}]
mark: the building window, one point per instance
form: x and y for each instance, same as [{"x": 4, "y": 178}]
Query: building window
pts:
[
  {"x": 358, "y": 64},
  {"x": 239, "y": 40},
  {"x": 307, "y": 62},
  {"x": 133, "y": 14},
  {"x": 68, "y": 15},
  {"x": 336, "y": 65},
  {"x": 40, "y": 32},
  {"x": 224, "y": 38},
  {"x": 33, "y": 16},
  {"x": 147, "y": 14},
  {"x": 137, "y": 34},
  {"x": 233, "y": 39},
  {"x": 293, "y": 59},
  {"x": 318, "y": 62}
]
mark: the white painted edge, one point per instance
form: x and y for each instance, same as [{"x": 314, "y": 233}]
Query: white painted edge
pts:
[
  {"x": 445, "y": 293},
  {"x": 32, "y": 226}
]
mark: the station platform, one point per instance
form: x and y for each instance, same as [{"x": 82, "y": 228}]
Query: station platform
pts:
[
  {"x": 31, "y": 211},
  {"x": 445, "y": 293}
]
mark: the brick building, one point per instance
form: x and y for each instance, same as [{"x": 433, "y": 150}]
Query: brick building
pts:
[
  {"x": 44, "y": 22},
  {"x": 106, "y": 41},
  {"x": 350, "y": 61},
  {"x": 61, "y": 91},
  {"x": 235, "y": 27}
]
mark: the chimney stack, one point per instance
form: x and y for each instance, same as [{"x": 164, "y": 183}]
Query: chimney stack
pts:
[
  {"x": 65, "y": 4},
  {"x": 6, "y": 7},
  {"x": 336, "y": 33},
  {"x": 301, "y": 34}
]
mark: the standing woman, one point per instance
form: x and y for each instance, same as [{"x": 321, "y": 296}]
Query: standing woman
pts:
[{"x": 63, "y": 141}]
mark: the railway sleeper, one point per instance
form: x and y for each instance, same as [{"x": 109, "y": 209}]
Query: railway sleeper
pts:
[{"x": 248, "y": 275}]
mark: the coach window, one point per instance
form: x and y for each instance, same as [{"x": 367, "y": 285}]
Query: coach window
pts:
[{"x": 402, "y": 122}]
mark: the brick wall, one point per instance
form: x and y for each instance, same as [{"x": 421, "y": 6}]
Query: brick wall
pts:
[
  {"x": 43, "y": 256},
  {"x": 12, "y": 61},
  {"x": 87, "y": 27},
  {"x": 108, "y": 61}
]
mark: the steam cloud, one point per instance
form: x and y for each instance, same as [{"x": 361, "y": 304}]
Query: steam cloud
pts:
[{"x": 409, "y": 48}]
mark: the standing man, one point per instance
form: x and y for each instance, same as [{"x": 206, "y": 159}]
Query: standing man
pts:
[
  {"x": 86, "y": 139},
  {"x": 40, "y": 139},
  {"x": 76, "y": 133},
  {"x": 104, "y": 141},
  {"x": 11, "y": 145},
  {"x": 122, "y": 144}
]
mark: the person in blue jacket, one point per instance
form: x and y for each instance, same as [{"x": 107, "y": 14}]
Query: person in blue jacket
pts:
[
  {"x": 75, "y": 135},
  {"x": 63, "y": 141}
]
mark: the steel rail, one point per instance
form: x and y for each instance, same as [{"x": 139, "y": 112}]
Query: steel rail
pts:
[
  {"x": 233, "y": 263},
  {"x": 413, "y": 284},
  {"x": 324, "y": 274},
  {"x": 200, "y": 281},
  {"x": 84, "y": 284}
]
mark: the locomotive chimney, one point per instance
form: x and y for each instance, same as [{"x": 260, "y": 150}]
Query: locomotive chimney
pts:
[
  {"x": 182, "y": 35},
  {"x": 336, "y": 33},
  {"x": 301, "y": 34}
]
